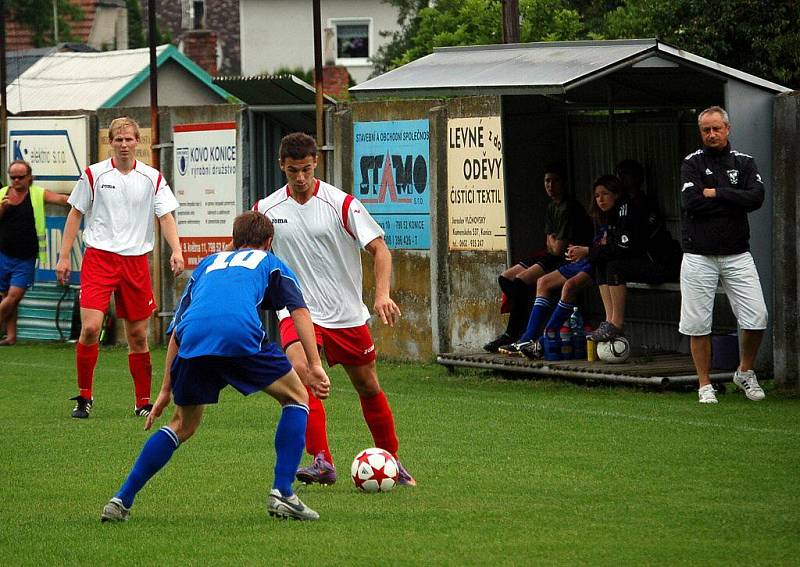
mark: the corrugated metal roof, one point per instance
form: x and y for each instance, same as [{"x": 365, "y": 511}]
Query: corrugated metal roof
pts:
[
  {"x": 270, "y": 89},
  {"x": 88, "y": 81},
  {"x": 548, "y": 68}
]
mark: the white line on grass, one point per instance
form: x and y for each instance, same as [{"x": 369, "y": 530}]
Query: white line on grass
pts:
[{"x": 645, "y": 418}]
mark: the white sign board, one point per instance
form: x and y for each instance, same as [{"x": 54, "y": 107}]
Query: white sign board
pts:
[
  {"x": 56, "y": 147},
  {"x": 475, "y": 189},
  {"x": 204, "y": 181}
]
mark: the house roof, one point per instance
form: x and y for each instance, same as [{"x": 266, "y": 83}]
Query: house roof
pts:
[
  {"x": 88, "y": 81},
  {"x": 270, "y": 89},
  {"x": 554, "y": 68},
  {"x": 17, "y": 62}
]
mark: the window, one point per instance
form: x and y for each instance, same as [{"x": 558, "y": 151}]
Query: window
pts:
[{"x": 352, "y": 41}]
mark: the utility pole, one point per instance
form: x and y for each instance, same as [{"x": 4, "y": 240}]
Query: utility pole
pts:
[
  {"x": 55, "y": 22},
  {"x": 155, "y": 158},
  {"x": 318, "y": 91},
  {"x": 510, "y": 21},
  {"x": 3, "y": 99}
]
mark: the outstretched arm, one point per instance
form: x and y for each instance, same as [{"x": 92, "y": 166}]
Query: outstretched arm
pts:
[
  {"x": 170, "y": 231},
  {"x": 385, "y": 306},
  {"x": 55, "y": 198}
]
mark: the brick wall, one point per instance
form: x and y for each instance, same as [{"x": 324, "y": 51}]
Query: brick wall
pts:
[
  {"x": 335, "y": 81},
  {"x": 222, "y": 17},
  {"x": 201, "y": 47}
]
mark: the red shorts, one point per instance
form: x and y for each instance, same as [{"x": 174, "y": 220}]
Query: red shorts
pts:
[
  {"x": 127, "y": 277},
  {"x": 352, "y": 346}
]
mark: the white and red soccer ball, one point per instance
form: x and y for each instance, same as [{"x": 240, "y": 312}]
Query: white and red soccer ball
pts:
[{"x": 374, "y": 470}]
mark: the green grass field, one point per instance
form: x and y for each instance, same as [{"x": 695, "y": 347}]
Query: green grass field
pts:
[{"x": 510, "y": 473}]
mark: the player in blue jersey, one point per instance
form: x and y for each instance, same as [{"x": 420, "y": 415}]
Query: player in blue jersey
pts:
[{"x": 217, "y": 339}]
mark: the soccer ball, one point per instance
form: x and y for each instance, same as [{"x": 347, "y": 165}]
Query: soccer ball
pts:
[
  {"x": 374, "y": 470},
  {"x": 614, "y": 351}
]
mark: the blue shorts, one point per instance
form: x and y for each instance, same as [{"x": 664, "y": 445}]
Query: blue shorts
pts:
[
  {"x": 572, "y": 269},
  {"x": 16, "y": 272},
  {"x": 199, "y": 380}
]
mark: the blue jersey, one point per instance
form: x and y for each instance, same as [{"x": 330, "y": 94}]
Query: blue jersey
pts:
[{"x": 218, "y": 311}]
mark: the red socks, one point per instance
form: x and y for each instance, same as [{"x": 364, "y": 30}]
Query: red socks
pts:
[
  {"x": 85, "y": 361},
  {"x": 142, "y": 371},
  {"x": 316, "y": 430},
  {"x": 380, "y": 421}
]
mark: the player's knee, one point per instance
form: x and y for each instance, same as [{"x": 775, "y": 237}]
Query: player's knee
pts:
[
  {"x": 90, "y": 331},
  {"x": 368, "y": 389}
]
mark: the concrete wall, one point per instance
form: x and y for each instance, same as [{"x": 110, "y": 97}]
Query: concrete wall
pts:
[
  {"x": 176, "y": 87},
  {"x": 411, "y": 338},
  {"x": 751, "y": 114},
  {"x": 786, "y": 218},
  {"x": 279, "y": 33},
  {"x": 466, "y": 280}
]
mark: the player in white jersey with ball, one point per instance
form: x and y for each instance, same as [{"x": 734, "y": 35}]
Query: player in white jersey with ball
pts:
[
  {"x": 120, "y": 199},
  {"x": 319, "y": 233}
]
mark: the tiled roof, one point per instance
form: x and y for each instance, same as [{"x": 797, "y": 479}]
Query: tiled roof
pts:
[{"x": 19, "y": 37}]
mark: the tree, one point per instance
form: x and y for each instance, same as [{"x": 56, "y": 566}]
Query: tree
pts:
[
  {"x": 471, "y": 22},
  {"x": 761, "y": 37},
  {"x": 37, "y": 15},
  {"x": 136, "y": 36}
]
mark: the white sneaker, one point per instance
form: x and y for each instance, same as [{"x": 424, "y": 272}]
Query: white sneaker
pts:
[
  {"x": 289, "y": 507},
  {"x": 115, "y": 511},
  {"x": 707, "y": 395},
  {"x": 747, "y": 381}
]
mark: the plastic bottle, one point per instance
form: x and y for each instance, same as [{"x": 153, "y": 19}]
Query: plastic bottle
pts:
[
  {"x": 566, "y": 344},
  {"x": 552, "y": 345},
  {"x": 578, "y": 335}
]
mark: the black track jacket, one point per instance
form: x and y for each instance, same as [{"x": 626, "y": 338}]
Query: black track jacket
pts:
[{"x": 718, "y": 226}]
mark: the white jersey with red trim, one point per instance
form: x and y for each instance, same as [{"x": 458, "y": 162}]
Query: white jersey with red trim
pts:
[
  {"x": 119, "y": 207},
  {"x": 321, "y": 240}
]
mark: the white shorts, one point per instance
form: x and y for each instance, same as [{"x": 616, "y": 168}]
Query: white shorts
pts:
[{"x": 739, "y": 277}]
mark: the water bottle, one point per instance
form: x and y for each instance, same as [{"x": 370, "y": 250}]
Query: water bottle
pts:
[
  {"x": 552, "y": 344},
  {"x": 566, "y": 343},
  {"x": 578, "y": 335}
]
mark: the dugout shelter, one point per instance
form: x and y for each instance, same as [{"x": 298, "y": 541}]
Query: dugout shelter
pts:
[{"x": 588, "y": 104}]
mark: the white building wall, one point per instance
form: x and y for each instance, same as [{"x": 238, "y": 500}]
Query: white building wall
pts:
[{"x": 280, "y": 33}]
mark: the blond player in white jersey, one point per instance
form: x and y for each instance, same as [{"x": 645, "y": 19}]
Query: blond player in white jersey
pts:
[
  {"x": 319, "y": 233},
  {"x": 120, "y": 198}
]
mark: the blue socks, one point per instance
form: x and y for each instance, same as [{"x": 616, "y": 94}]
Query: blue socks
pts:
[
  {"x": 156, "y": 452},
  {"x": 539, "y": 313},
  {"x": 290, "y": 440},
  {"x": 560, "y": 315}
]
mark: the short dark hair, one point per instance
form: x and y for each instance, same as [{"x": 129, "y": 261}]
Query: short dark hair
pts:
[
  {"x": 21, "y": 162},
  {"x": 614, "y": 185},
  {"x": 251, "y": 229},
  {"x": 298, "y": 146},
  {"x": 557, "y": 168}
]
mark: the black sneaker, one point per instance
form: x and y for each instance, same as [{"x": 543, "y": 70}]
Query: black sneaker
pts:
[
  {"x": 502, "y": 340},
  {"x": 532, "y": 350},
  {"x": 514, "y": 349},
  {"x": 82, "y": 407},
  {"x": 143, "y": 411}
]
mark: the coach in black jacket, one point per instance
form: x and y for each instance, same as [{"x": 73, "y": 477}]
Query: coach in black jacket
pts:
[{"x": 719, "y": 187}]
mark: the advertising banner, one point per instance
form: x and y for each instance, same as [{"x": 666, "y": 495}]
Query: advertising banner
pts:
[
  {"x": 55, "y": 233},
  {"x": 391, "y": 177},
  {"x": 204, "y": 182},
  {"x": 475, "y": 190},
  {"x": 55, "y": 146}
]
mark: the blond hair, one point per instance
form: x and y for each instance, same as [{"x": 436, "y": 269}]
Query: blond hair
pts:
[{"x": 119, "y": 123}]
